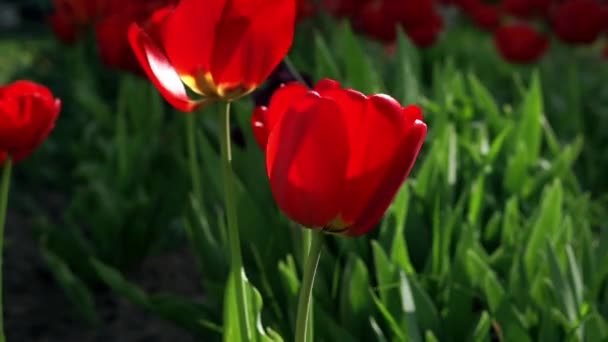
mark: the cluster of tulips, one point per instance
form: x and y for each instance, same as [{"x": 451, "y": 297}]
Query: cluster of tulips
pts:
[
  {"x": 522, "y": 28},
  {"x": 335, "y": 158}
]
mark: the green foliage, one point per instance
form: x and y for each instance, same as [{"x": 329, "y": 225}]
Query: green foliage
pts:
[{"x": 497, "y": 234}]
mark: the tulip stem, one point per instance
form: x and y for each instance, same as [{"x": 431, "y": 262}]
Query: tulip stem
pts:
[
  {"x": 6, "y": 182},
  {"x": 294, "y": 72},
  {"x": 305, "y": 300},
  {"x": 236, "y": 259},
  {"x": 195, "y": 170}
]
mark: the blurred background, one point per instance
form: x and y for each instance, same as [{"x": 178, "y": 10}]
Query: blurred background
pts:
[{"x": 498, "y": 235}]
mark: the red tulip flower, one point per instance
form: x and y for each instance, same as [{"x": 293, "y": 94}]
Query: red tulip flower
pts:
[
  {"x": 426, "y": 34},
  {"x": 526, "y": 9},
  {"x": 486, "y": 16},
  {"x": 221, "y": 49},
  {"x": 520, "y": 43},
  {"x": 579, "y": 21},
  {"x": 335, "y": 157},
  {"x": 373, "y": 19},
  {"x": 71, "y": 17},
  {"x": 111, "y": 32},
  {"x": 305, "y": 9},
  {"x": 28, "y": 112},
  {"x": 342, "y": 7}
]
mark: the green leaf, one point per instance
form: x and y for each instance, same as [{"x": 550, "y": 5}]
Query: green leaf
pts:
[
  {"x": 476, "y": 200},
  {"x": 563, "y": 292},
  {"x": 385, "y": 272},
  {"x": 498, "y": 144},
  {"x": 480, "y": 274},
  {"x": 360, "y": 74},
  {"x": 546, "y": 226},
  {"x": 517, "y": 168},
  {"x": 427, "y": 315},
  {"x": 409, "y": 321},
  {"x": 388, "y": 317},
  {"x": 119, "y": 284},
  {"x": 481, "y": 332},
  {"x": 486, "y": 104},
  {"x": 530, "y": 129},
  {"x": 325, "y": 63},
  {"x": 253, "y": 303},
  {"x": 76, "y": 290},
  {"x": 355, "y": 302},
  {"x": 183, "y": 312},
  {"x": 407, "y": 88},
  {"x": 511, "y": 222}
]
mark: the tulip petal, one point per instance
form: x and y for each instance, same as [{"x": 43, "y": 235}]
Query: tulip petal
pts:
[
  {"x": 188, "y": 35},
  {"x": 282, "y": 100},
  {"x": 28, "y": 112},
  {"x": 264, "y": 118},
  {"x": 161, "y": 72},
  {"x": 413, "y": 113},
  {"x": 396, "y": 174},
  {"x": 307, "y": 154},
  {"x": 327, "y": 84},
  {"x": 264, "y": 41},
  {"x": 112, "y": 43},
  {"x": 376, "y": 134},
  {"x": 26, "y": 121}
]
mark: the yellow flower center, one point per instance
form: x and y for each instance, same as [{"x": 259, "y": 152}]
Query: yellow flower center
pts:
[
  {"x": 205, "y": 85},
  {"x": 337, "y": 226}
]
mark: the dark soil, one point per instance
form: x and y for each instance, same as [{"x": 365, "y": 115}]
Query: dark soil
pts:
[{"x": 36, "y": 308}]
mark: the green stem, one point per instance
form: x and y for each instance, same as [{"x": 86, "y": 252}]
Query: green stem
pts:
[
  {"x": 236, "y": 259},
  {"x": 292, "y": 69},
  {"x": 305, "y": 300},
  {"x": 306, "y": 239},
  {"x": 195, "y": 170},
  {"x": 6, "y": 182}
]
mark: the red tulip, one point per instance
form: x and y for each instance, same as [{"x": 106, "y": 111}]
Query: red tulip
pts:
[
  {"x": 335, "y": 157},
  {"x": 111, "y": 33},
  {"x": 520, "y": 43},
  {"x": 427, "y": 33},
  {"x": 486, "y": 16},
  {"x": 221, "y": 49},
  {"x": 410, "y": 13},
  {"x": 71, "y": 17},
  {"x": 342, "y": 7},
  {"x": 28, "y": 112},
  {"x": 579, "y": 21},
  {"x": 526, "y": 9},
  {"x": 305, "y": 9},
  {"x": 373, "y": 19}
]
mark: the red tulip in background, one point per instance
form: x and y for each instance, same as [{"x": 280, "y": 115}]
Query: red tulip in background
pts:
[
  {"x": 221, "y": 49},
  {"x": 579, "y": 21},
  {"x": 526, "y": 9},
  {"x": 28, "y": 112},
  {"x": 485, "y": 16},
  {"x": 71, "y": 17},
  {"x": 305, "y": 9},
  {"x": 335, "y": 157},
  {"x": 111, "y": 32},
  {"x": 519, "y": 43},
  {"x": 379, "y": 19},
  {"x": 111, "y": 20}
]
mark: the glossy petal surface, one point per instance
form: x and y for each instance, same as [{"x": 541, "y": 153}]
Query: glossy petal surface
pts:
[
  {"x": 307, "y": 156},
  {"x": 28, "y": 112},
  {"x": 158, "y": 68}
]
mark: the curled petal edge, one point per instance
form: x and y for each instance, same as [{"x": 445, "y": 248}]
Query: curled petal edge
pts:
[{"x": 159, "y": 70}]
